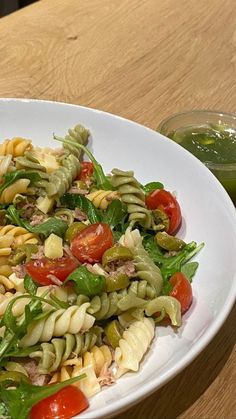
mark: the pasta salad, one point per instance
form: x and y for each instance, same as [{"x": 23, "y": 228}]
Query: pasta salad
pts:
[{"x": 90, "y": 264}]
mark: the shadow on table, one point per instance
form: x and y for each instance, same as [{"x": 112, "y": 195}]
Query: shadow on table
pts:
[{"x": 187, "y": 387}]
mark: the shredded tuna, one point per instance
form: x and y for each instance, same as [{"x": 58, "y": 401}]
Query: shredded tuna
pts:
[
  {"x": 34, "y": 376},
  {"x": 37, "y": 219},
  {"x": 120, "y": 266},
  {"x": 96, "y": 269},
  {"x": 55, "y": 280},
  {"x": 80, "y": 215},
  {"x": 27, "y": 210},
  {"x": 19, "y": 270},
  {"x": 39, "y": 254},
  {"x": 106, "y": 377}
]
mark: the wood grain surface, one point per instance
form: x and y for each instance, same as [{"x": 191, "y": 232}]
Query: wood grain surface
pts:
[{"x": 143, "y": 60}]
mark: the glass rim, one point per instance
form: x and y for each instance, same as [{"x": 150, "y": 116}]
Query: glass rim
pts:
[
  {"x": 196, "y": 111},
  {"x": 210, "y": 165}
]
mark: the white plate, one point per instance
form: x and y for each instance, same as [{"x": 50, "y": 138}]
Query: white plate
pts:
[{"x": 209, "y": 216}]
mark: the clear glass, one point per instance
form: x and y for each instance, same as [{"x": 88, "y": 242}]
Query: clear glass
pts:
[{"x": 226, "y": 172}]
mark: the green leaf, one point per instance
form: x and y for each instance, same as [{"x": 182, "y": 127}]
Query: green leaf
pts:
[
  {"x": 86, "y": 282},
  {"x": 12, "y": 177},
  {"x": 115, "y": 214},
  {"x": 52, "y": 225},
  {"x": 73, "y": 201},
  {"x": 30, "y": 285},
  {"x": 189, "y": 270},
  {"x": 19, "y": 401},
  {"x": 152, "y": 186}
]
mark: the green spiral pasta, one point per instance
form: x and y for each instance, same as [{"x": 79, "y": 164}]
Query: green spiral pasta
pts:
[
  {"x": 79, "y": 135},
  {"x": 61, "y": 180},
  {"x": 111, "y": 304},
  {"x": 142, "y": 289},
  {"x": 133, "y": 196},
  {"x": 29, "y": 162},
  {"x": 52, "y": 355},
  {"x": 145, "y": 268}
]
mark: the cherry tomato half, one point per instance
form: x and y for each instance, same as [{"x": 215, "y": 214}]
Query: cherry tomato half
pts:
[
  {"x": 86, "y": 170},
  {"x": 91, "y": 242},
  {"x": 39, "y": 269},
  {"x": 182, "y": 290},
  {"x": 66, "y": 403},
  {"x": 166, "y": 202}
]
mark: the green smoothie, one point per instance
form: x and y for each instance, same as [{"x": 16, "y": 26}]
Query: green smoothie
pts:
[{"x": 215, "y": 146}]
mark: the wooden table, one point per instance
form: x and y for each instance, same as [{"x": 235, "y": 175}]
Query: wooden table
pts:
[{"x": 143, "y": 60}]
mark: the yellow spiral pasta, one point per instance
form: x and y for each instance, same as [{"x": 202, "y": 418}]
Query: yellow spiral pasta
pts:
[
  {"x": 89, "y": 385},
  {"x": 92, "y": 361},
  {"x": 17, "y": 146},
  {"x": 101, "y": 199},
  {"x": 71, "y": 320},
  {"x": 18, "y": 187},
  {"x": 133, "y": 345},
  {"x": 16, "y": 236}
]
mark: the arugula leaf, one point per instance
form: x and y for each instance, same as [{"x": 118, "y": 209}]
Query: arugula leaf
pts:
[
  {"x": 10, "y": 178},
  {"x": 86, "y": 282},
  {"x": 102, "y": 181},
  {"x": 73, "y": 201},
  {"x": 52, "y": 225},
  {"x": 19, "y": 401},
  {"x": 152, "y": 186},
  {"x": 115, "y": 214},
  {"x": 22, "y": 352},
  {"x": 189, "y": 270},
  {"x": 170, "y": 265},
  {"x": 30, "y": 285}
]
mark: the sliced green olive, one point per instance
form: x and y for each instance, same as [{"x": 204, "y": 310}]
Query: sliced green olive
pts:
[
  {"x": 116, "y": 282},
  {"x": 73, "y": 230},
  {"x": 113, "y": 332},
  {"x": 80, "y": 184},
  {"x": 116, "y": 253},
  {"x": 161, "y": 220},
  {"x": 13, "y": 377},
  {"x": 168, "y": 242},
  {"x": 22, "y": 253}
]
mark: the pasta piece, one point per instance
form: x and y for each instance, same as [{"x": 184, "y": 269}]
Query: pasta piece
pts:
[
  {"x": 101, "y": 199},
  {"x": 17, "y": 146},
  {"x": 89, "y": 385},
  {"x": 18, "y": 235},
  {"x": 168, "y": 303},
  {"x": 29, "y": 162},
  {"x": 133, "y": 196},
  {"x": 6, "y": 165},
  {"x": 93, "y": 362},
  {"x": 61, "y": 180},
  {"x": 131, "y": 238},
  {"x": 18, "y": 187},
  {"x": 78, "y": 135},
  {"x": 5, "y": 243},
  {"x": 71, "y": 320},
  {"x": 46, "y": 157},
  {"x": 12, "y": 283},
  {"x": 133, "y": 345},
  {"x": 16, "y": 367},
  {"x": 52, "y": 355}
]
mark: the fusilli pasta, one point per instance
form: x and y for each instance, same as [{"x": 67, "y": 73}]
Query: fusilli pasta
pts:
[
  {"x": 133, "y": 345},
  {"x": 133, "y": 196},
  {"x": 17, "y": 146},
  {"x": 71, "y": 320},
  {"x": 101, "y": 199}
]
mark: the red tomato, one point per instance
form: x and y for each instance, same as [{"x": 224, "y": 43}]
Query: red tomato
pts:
[
  {"x": 64, "y": 404},
  {"x": 86, "y": 170},
  {"x": 182, "y": 290},
  {"x": 165, "y": 201},
  {"x": 91, "y": 242},
  {"x": 39, "y": 269}
]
